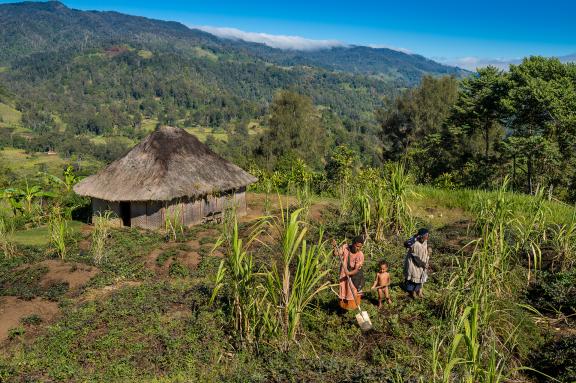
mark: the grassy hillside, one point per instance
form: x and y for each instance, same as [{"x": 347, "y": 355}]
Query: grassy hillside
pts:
[
  {"x": 28, "y": 165},
  {"x": 9, "y": 115}
]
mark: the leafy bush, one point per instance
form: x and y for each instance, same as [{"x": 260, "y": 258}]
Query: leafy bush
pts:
[
  {"x": 23, "y": 283},
  {"x": 178, "y": 270},
  {"x": 16, "y": 332},
  {"x": 554, "y": 292},
  {"x": 557, "y": 359},
  {"x": 164, "y": 256},
  {"x": 33, "y": 319}
]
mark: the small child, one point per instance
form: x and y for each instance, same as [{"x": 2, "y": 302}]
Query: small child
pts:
[{"x": 382, "y": 282}]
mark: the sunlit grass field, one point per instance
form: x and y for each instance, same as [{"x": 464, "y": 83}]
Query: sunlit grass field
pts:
[{"x": 28, "y": 165}]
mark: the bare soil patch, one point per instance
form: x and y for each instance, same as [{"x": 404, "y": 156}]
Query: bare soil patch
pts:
[
  {"x": 75, "y": 274},
  {"x": 255, "y": 203},
  {"x": 318, "y": 211},
  {"x": 13, "y": 310},
  {"x": 191, "y": 259},
  {"x": 100, "y": 293},
  {"x": 173, "y": 252}
]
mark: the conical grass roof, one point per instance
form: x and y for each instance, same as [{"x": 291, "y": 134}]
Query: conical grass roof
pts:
[{"x": 170, "y": 163}]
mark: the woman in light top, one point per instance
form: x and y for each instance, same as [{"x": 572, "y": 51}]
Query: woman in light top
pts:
[{"x": 416, "y": 263}]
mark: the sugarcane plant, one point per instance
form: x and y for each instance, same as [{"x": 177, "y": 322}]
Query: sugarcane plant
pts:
[
  {"x": 397, "y": 186},
  {"x": 59, "y": 230},
  {"x": 298, "y": 277},
  {"x": 173, "y": 221},
  {"x": 100, "y": 234},
  {"x": 237, "y": 276},
  {"x": 304, "y": 199},
  {"x": 530, "y": 232},
  {"x": 563, "y": 240},
  {"x": 6, "y": 237}
]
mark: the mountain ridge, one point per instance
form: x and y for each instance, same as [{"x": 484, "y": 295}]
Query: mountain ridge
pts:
[{"x": 52, "y": 25}]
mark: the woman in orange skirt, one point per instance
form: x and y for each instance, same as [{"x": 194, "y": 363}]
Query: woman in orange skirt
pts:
[{"x": 352, "y": 259}]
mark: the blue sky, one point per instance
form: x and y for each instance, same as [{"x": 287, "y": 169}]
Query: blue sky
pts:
[{"x": 445, "y": 30}]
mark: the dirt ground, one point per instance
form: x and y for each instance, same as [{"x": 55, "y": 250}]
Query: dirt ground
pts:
[
  {"x": 75, "y": 274},
  {"x": 100, "y": 293},
  {"x": 13, "y": 310}
]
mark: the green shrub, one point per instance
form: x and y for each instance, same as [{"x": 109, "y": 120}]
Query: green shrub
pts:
[
  {"x": 33, "y": 319},
  {"x": 16, "y": 332},
  {"x": 178, "y": 270},
  {"x": 23, "y": 283},
  {"x": 554, "y": 292},
  {"x": 164, "y": 256},
  {"x": 557, "y": 359},
  {"x": 55, "y": 290}
]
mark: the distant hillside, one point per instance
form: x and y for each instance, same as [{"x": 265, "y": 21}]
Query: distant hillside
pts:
[
  {"x": 37, "y": 27},
  {"x": 51, "y": 26},
  {"x": 568, "y": 58},
  {"x": 389, "y": 63},
  {"x": 73, "y": 75}
]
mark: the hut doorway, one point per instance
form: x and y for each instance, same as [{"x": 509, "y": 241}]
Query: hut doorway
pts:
[{"x": 125, "y": 215}]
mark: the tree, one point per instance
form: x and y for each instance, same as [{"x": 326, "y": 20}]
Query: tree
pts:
[
  {"x": 480, "y": 104},
  {"x": 38, "y": 121},
  {"x": 541, "y": 107},
  {"x": 294, "y": 126},
  {"x": 415, "y": 114},
  {"x": 339, "y": 167}
]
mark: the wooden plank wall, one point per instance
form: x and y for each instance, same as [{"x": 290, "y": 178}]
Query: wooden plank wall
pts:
[
  {"x": 100, "y": 207},
  {"x": 151, "y": 214}
]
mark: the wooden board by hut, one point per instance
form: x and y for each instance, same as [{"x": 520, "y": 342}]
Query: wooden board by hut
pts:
[{"x": 169, "y": 175}]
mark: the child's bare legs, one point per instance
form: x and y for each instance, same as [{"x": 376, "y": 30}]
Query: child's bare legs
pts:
[
  {"x": 387, "y": 295},
  {"x": 379, "y": 298}
]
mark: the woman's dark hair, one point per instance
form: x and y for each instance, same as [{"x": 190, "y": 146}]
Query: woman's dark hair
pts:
[{"x": 358, "y": 239}]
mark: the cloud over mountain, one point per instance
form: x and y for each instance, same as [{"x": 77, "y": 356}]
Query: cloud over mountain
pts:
[
  {"x": 274, "y": 41},
  {"x": 472, "y": 62}
]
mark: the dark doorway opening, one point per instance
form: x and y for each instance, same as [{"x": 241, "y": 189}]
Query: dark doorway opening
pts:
[{"x": 125, "y": 213}]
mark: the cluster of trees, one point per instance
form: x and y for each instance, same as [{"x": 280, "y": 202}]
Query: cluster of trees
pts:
[
  {"x": 66, "y": 144},
  {"x": 97, "y": 92},
  {"x": 457, "y": 133},
  {"x": 520, "y": 123},
  {"x": 474, "y": 132},
  {"x": 299, "y": 132}
]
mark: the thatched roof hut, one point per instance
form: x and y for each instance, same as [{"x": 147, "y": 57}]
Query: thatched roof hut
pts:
[{"x": 169, "y": 169}]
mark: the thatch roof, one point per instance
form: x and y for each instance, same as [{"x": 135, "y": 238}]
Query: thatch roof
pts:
[{"x": 170, "y": 163}]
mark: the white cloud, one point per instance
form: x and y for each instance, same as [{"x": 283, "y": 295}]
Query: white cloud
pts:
[
  {"x": 380, "y": 46},
  {"x": 274, "y": 41},
  {"x": 568, "y": 58},
  {"x": 472, "y": 62}
]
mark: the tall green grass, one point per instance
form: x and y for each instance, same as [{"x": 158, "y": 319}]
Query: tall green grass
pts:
[
  {"x": 100, "y": 233},
  {"x": 7, "y": 244},
  {"x": 467, "y": 199},
  {"x": 270, "y": 304},
  {"x": 59, "y": 231},
  {"x": 290, "y": 287}
]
